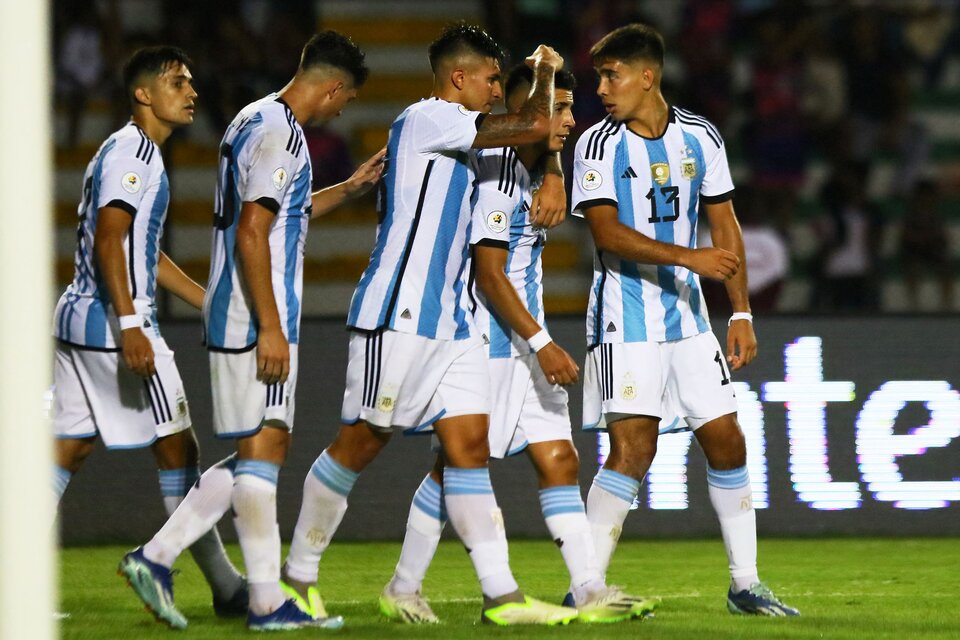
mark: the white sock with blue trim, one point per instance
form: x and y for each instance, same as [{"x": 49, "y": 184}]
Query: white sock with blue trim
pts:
[
  {"x": 476, "y": 518},
  {"x": 193, "y": 521},
  {"x": 61, "y": 478},
  {"x": 425, "y": 524},
  {"x": 608, "y": 503},
  {"x": 566, "y": 520},
  {"x": 732, "y": 498},
  {"x": 325, "y": 491},
  {"x": 255, "y": 506}
]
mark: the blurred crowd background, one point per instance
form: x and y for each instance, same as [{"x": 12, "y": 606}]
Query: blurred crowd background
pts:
[{"x": 841, "y": 121}]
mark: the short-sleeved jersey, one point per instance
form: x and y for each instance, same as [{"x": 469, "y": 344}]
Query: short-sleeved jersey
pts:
[
  {"x": 414, "y": 282},
  {"x": 501, "y": 217},
  {"x": 263, "y": 159},
  {"x": 657, "y": 186},
  {"x": 127, "y": 172}
]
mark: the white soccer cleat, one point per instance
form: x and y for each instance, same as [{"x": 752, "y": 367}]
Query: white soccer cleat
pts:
[
  {"x": 530, "y": 611},
  {"x": 410, "y": 608},
  {"x": 613, "y": 605}
]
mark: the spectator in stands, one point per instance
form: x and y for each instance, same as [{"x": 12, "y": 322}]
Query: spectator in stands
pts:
[{"x": 924, "y": 244}]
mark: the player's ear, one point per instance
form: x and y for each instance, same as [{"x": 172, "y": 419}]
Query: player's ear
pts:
[
  {"x": 141, "y": 95},
  {"x": 458, "y": 78},
  {"x": 335, "y": 88}
]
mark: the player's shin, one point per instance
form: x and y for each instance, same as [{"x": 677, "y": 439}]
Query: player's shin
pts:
[
  {"x": 608, "y": 503},
  {"x": 325, "y": 491},
  {"x": 476, "y": 518},
  {"x": 566, "y": 519},
  {"x": 255, "y": 506},
  {"x": 732, "y": 499},
  {"x": 424, "y": 527}
]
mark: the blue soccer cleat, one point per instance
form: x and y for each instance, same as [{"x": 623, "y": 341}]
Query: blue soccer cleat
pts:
[
  {"x": 288, "y": 617},
  {"x": 758, "y": 600},
  {"x": 153, "y": 584}
]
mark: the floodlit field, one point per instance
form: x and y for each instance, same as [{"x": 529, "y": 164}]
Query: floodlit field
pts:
[{"x": 845, "y": 588}]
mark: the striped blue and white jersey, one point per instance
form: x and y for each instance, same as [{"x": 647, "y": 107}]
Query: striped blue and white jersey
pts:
[
  {"x": 263, "y": 159},
  {"x": 127, "y": 172},
  {"x": 657, "y": 186},
  {"x": 501, "y": 218},
  {"x": 415, "y": 280}
]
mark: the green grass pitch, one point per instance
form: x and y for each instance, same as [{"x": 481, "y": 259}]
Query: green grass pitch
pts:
[{"x": 900, "y": 589}]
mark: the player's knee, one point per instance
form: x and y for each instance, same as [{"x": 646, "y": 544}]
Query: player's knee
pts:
[
  {"x": 556, "y": 464},
  {"x": 71, "y": 453},
  {"x": 357, "y": 445}
]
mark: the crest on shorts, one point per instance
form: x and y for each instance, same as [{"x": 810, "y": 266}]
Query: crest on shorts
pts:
[
  {"x": 629, "y": 389},
  {"x": 182, "y": 407},
  {"x": 660, "y": 172},
  {"x": 386, "y": 404},
  {"x": 591, "y": 180},
  {"x": 280, "y": 178},
  {"x": 131, "y": 182},
  {"x": 497, "y": 221}
]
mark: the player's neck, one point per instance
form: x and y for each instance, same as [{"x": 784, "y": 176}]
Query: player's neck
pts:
[
  {"x": 650, "y": 118},
  {"x": 299, "y": 98},
  {"x": 156, "y": 130},
  {"x": 530, "y": 155}
]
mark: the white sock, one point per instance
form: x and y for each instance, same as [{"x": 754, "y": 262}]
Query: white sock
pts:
[
  {"x": 566, "y": 520},
  {"x": 255, "y": 506},
  {"x": 61, "y": 478},
  {"x": 424, "y": 526},
  {"x": 325, "y": 491},
  {"x": 608, "y": 503},
  {"x": 732, "y": 499},
  {"x": 477, "y": 520},
  {"x": 192, "y": 523}
]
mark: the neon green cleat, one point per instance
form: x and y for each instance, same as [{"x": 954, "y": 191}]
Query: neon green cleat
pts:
[
  {"x": 530, "y": 611},
  {"x": 613, "y": 605},
  {"x": 410, "y": 608},
  {"x": 311, "y": 605}
]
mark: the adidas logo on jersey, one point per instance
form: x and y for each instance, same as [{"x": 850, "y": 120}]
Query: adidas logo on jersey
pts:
[
  {"x": 611, "y": 328},
  {"x": 406, "y": 315},
  {"x": 146, "y": 324},
  {"x": 629, "y": 173}
]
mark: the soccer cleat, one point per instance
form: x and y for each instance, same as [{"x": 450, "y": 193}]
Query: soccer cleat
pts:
[
  {"x": 288, "y": 617},
  {"x": 312, "y": 604},
  {"x": 153, "y": 583},
  {"x": 237, "y": 605},
  {"x": 410, "y": 608},
  {"x": 758, "y": 600},
  {"x": 613, "y": 605},
  {"x": 530, "y": 611}
]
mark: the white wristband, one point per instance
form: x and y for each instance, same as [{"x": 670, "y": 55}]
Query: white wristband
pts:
[
  {"x": 740, "y": 315},
  {"x": 539, "y": 340},
  {"x": 129, "y": 322}
]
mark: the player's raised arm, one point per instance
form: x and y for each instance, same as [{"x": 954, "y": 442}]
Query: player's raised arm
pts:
[{"x": 532, "y": 123}]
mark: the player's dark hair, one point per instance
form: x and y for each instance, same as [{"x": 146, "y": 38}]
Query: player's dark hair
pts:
[
  {"x": 462, "y": 38},
  {"x": 628, "y": 43},
  {"x": 522, "y": 74},
  {"x": 335, "y": 50},
  {"x": 153, "y": 61}
]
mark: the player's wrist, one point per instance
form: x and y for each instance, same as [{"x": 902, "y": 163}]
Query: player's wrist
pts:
[
  {"x": 740, "y": 315},
  {"x": 130, "y": 321},
  {"x": 539, "y": 340}
]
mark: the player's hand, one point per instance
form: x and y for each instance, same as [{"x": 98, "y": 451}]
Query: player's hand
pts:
[
  {"x": 741, "y": 344},
  {"x": 137, "y": 352},
  {"x": 273, "y": 357},
  {"x": 366, "y": 175},
  {"x": 545, "y": 55},
  {"x": 557, "y": 365},
  {"x": 548, "y": 207},
  {"x": 712, "y": 262}
]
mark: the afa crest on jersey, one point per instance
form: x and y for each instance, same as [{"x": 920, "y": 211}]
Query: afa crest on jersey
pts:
[{"x": 688, "y": 164}]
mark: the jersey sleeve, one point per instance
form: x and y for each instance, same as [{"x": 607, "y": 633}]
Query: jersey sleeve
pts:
[
  {"x": 593, "y": 182},
  {"x": 126, "y": 173},
  {"x": 269, "y": 166},
  {"x": 717, "y": 183},
  {"x": 494, "y": 206},
  {"x": 446, "y": 126}
]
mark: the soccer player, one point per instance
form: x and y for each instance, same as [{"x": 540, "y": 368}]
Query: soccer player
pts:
[
  {"x": 415, "y": 358},
  {"x": 252, "y": 323},
  {"x": 114, "y": 376},
  {"x": 527, "y": 371},
  {"x": 642, "y": 177}
]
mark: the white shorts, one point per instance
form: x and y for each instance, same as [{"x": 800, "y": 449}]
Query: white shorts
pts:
[
  {"x": 241, "y": 403},
  {"x": 96, "y": 394},
  {"x": 407, "y": 381},
  {"x": 684, "y": 379},
  {"x": 526, "y": 408}
]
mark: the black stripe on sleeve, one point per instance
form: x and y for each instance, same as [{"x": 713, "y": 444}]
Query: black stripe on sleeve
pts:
[
  {"x": 122, "y": 204},
  {"x": 723, "y": 197},
  {"x": 490, "y": 242},
  {"x": 269, "y": 203},
  {"x": 586, "y": 204}
]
